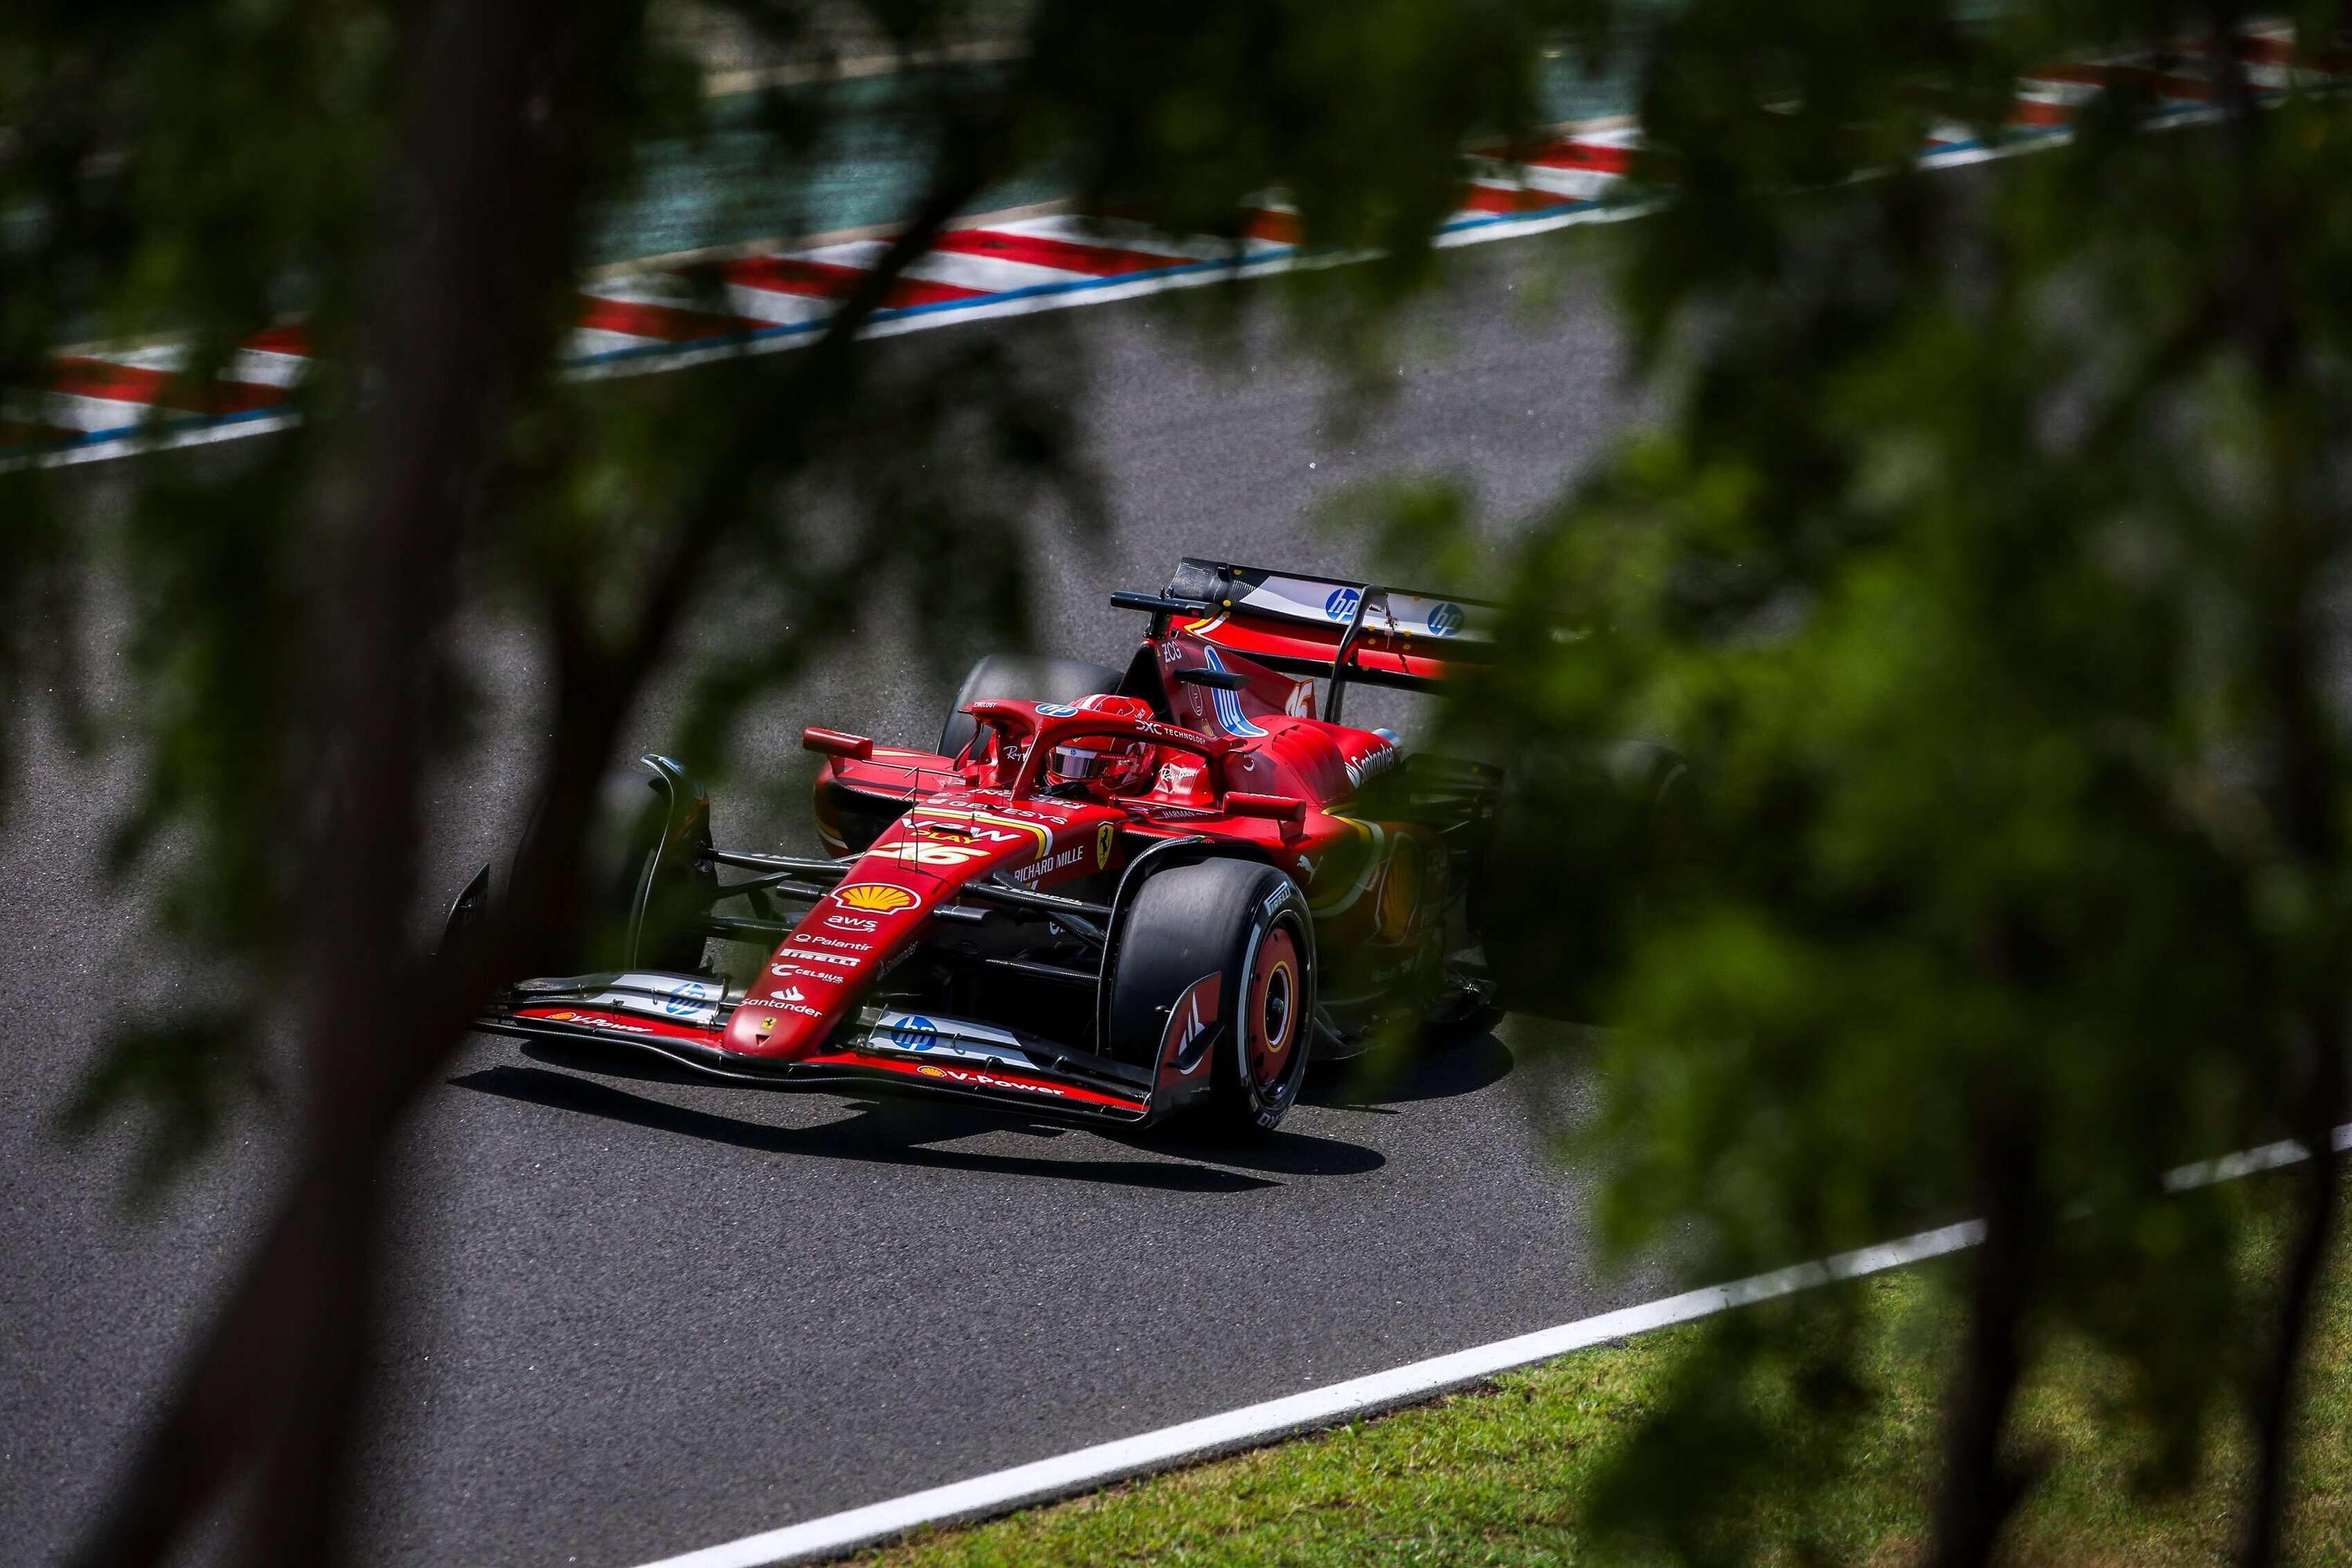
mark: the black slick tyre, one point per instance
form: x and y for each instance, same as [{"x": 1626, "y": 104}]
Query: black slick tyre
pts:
[
  {"x": 1021, "y": 677},
  {"x": 1246, "y": 925}
]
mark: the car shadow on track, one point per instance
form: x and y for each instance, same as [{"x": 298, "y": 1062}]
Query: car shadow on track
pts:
[
  {"x": 1378, "y": 1085},
  {"x": 1281, "y": 1152},
  {"x": 901, "y": 1133}
]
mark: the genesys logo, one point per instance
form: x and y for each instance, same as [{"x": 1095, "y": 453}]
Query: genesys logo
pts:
[
  {"x": 874, "y": 897},
  {"x": 1027, "y": 814}
]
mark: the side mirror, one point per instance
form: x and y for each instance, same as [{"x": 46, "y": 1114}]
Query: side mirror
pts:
[
  {"x": 1287, "y": 808},
  {"x": 837, "y": 743},
  {"x": 1222, "y": 679}
]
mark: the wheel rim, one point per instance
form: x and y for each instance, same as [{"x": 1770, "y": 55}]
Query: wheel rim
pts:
[{"x": 1271, "y": 1013}]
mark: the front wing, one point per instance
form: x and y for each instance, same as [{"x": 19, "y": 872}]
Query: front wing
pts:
[{"x": 683, "y": 1020}]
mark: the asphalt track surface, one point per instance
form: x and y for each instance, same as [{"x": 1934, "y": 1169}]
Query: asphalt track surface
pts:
[{"x": 630, "y": 1315}]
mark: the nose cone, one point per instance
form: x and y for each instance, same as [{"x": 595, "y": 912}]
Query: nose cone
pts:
[{"x": 818, "y": 975}]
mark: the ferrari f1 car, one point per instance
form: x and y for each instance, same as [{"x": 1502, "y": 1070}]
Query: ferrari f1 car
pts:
[{"x": 1108, "y": 895}]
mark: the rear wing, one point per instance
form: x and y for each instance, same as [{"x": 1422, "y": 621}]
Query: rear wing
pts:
[{"x": 1324, "y": 626}]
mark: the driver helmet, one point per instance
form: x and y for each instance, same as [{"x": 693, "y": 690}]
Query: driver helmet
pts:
[{"x": 1108, "y": 762}]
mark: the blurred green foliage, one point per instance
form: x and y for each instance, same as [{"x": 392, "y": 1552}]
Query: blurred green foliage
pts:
[
  {"x": 1985, "y": 565},
  {"x": 1981, "y": 567}
]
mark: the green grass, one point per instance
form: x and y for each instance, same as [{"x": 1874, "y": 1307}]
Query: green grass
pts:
[{"x": 1499, "y": 1477}]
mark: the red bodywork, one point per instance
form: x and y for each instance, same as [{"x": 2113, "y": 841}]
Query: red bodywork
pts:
[{"x": 1251, "y": 772}]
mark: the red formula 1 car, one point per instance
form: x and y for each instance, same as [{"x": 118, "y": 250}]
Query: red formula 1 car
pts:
[{"x": 1108, "y": 895}]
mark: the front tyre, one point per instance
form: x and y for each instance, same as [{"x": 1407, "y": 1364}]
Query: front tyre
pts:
[{"x": 1246, "y": 925}]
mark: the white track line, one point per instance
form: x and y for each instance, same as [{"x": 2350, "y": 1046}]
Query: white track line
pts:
[{"x": 1252, "y": 1426}]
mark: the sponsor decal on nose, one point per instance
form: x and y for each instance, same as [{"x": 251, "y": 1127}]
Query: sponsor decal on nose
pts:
[{"x": 876, "y": 898}]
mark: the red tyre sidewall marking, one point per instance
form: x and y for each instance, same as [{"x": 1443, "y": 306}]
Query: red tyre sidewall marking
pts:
[{"x": 1269, "y": 1058}]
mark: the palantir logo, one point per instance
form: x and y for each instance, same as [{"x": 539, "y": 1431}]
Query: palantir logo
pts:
[
  {"x": 1341, "y": 605},
  {"x": 1445, "y": 620}
]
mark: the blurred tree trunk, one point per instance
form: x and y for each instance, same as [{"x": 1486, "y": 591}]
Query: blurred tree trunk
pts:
[
  {"x": 2280, "y": 1377},
  {"x": 2300, "y": 544},
  {"x": 1981, "y": 1485},
  {"x": 479, "y": 225},
  {"x": 476, "y": 261}
]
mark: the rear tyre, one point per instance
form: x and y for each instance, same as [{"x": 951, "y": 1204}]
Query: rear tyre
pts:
[
  {"x": 1021, "y": 677},
  {"x": 1247, "y": 925}
]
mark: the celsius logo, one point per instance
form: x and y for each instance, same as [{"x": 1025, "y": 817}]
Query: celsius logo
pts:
[
  {"x": 1445, "y": 620},
  {"x": 1342, "y": 604},
  {"x": 874, "y": 897}
]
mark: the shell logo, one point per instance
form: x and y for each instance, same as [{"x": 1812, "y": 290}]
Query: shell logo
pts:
[{"x": 874, "y": 897}]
